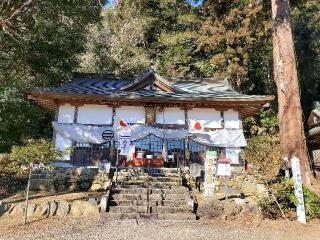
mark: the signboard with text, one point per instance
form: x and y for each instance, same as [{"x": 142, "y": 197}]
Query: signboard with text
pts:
[
  {"x": 223, "y": 169},
  {"x": 296, "y": 173},
  {"x": 210, "y": 172},
  {"x": 124, "y": 145}
]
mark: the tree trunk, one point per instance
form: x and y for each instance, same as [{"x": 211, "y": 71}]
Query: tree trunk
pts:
[{"x": 292, "y": 139}]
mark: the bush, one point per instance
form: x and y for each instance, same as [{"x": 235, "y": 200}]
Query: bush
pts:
[
  {"x": 284, "y": 193},
  {"x": 311, "y": 203},
  {"x": 263, "y": 153},
  {"x": 35, "y": 152},
  {"x": 10, "y": 182}
]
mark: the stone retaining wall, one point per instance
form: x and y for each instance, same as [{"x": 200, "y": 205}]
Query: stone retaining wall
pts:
[
  {"x": 237, "y": 183},
  {"x": 77, "y": 208},
  {"x": 70, "y": 180}
]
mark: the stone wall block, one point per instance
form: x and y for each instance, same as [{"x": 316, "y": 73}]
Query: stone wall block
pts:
[
  {"x": 53, "y": 207},
  {"x": 84, "y": 208},
  {"x": 42, "y": 210},
  {"x": 63, "y": 209}
]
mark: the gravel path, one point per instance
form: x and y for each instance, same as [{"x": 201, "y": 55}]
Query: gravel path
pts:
[{"x": 101, "y": 229}]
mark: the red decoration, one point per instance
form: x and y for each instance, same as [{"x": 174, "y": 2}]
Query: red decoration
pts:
[
  {"x": 123, "y": 123},
  {"x": 197, "y": 126}
]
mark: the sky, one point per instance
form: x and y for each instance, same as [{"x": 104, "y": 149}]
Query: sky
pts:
[{"x": 194, "y": 3}]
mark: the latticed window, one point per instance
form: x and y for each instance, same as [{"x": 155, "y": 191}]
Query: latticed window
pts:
[
  {"x": 149, "y": 143},
  {"x": 91, "y": 154}
]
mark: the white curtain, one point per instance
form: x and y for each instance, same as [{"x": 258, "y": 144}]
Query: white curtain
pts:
[
  {"x": 222, "y": 138},
  {"x": 93, "y": 134}
]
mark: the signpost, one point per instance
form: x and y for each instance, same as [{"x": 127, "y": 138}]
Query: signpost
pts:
[
  {"x": 210, "y": 173},
  {"x": 301, "y": 216}
]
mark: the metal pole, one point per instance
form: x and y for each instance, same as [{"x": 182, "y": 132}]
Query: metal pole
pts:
[
  {"x": 117, "y": 161},
  {"x": 148, "y": 188},
  {"x": 27, "y": 195},
  {"x": 225, "y": 187}
]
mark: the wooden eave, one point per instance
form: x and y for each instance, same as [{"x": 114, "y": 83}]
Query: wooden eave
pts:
[{"x": 246, "y": 106}]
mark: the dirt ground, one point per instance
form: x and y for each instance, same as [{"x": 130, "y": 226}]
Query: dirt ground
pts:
[
  {"x": 44, "y": 197},
  {"x": 71, "y": 228}
]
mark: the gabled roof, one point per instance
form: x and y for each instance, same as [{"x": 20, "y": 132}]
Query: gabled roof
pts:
[
  {"x": 150, "y": 87},
  {"x": 151, "y": 78}
]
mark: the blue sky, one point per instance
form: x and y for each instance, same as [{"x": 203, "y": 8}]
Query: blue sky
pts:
[{"x": 194, "y": 3}]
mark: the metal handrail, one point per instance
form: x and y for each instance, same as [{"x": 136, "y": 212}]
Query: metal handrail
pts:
[{"x": 148, "y": 187}]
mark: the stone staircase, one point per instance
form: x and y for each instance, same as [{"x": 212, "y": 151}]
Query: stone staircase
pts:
[{"x": 167, "y": 199}]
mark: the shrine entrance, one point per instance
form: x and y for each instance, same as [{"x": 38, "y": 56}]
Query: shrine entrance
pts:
[{"x": 155, "y": 152}]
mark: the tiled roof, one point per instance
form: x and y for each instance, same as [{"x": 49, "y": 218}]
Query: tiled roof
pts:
[
  {"x": 148, "y": 88},
  {"x": 191, "y": 88}
]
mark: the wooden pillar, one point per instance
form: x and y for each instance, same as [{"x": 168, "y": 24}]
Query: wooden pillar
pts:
[{"x": 75, "y": 120}]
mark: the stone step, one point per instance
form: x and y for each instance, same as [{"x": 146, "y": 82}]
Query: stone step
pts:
[
  {"x": 128, "y": 209},
  {"x": 121, "y": 216},
  {"x": 145, "y": 170},
  {"x": 132, "y": 189},
  {"x": 170, "y": 190},
  {"x": 176, "y": 216},
  {"x": 176, "y": 196},
  {"x": 136, "y": 190},
  {"x": 133, "y": 202},
  {"x": 126, "y": 197},
  {"x": 151, "y": 179},
  {"x": 167, "y": 209},
  {"x": 173, "y": 203},
  {"x": 153, "y": 184},
  {"x": 126, "y": 174}
]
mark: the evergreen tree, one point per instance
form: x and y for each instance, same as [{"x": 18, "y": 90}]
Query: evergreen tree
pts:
[{"x": 39, "y": 46}]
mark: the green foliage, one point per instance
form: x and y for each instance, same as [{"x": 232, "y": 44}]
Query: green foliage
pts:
[
  {"x": 10, "y": 182},
  {"x": 264, "y": 122},
  {"x": 284, "y": 193},
  {"x": 312, "y": 203},
  {"x": 283, "y": 190},
  {"x": 263, "y": 153},
  {"x": 230, "y": 36},
  {"x": 39, "y": 46},
  {"x": 306, "y": 19},
  {"x": 20, "y": 119},
  {"x": 36, "y": 152},
  {"x": 136, "y": 34}
]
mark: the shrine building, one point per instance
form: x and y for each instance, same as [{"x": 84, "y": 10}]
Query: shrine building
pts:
[{"x": 167, "y": 122}]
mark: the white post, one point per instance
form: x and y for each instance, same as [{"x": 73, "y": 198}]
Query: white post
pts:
[{"x": 301, "y": 216}]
